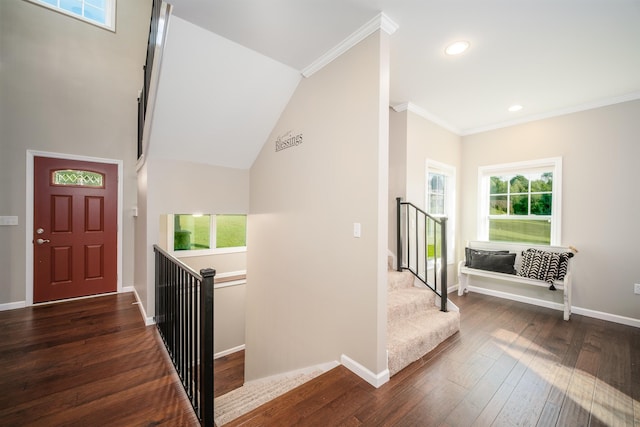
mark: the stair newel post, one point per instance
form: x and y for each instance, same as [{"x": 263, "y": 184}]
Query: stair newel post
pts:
[
  {"x": 443, "y": 266},
  {"x": 206, "y": 346},
  {"x": 398, "y": 235}
]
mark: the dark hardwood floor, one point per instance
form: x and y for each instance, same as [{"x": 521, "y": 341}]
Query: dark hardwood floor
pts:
[
  {"x": 93, "y": 362},
  {"x": 89, "y": 362},
  {"x": 511, "y": 364}
]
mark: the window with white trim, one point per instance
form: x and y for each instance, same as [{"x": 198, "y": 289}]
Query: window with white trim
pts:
[
  {"x": 97, "y": 12},
  {"x": 521, "y": 202},
  {"x": 441, "y": 197},
  {"x": 203, "y": 234}
]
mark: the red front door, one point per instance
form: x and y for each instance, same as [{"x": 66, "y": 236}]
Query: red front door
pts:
[{"x": 74, "y": 228}]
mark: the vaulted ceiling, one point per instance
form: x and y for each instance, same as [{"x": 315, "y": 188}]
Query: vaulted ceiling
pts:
[
  {"x": 230, "y": 66},
  {"x": 550, "y": 56}
]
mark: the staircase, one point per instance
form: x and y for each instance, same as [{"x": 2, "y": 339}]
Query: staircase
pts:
[{"x": 415, "y": 324}]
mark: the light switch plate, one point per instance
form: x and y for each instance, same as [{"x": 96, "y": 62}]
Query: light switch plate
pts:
[
  {"x": 357, "y": 229},
  {"x": 8, "y": 220}
]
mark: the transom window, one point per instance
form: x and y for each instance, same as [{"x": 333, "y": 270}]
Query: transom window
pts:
[
  {"x": 98, "y": 12},
  {"x": 520, "y": 202}
]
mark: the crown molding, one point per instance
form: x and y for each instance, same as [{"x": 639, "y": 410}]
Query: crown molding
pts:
[
  {"x": 380, "y": 22},
  {"x": 408, "y": 106},
  {"x": 555, "y": 113}
]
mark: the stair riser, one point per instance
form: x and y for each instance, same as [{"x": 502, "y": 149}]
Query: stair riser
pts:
[{"x": 421, "y": 340}]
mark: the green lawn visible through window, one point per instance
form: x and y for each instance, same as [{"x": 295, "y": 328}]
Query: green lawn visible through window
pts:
[
  {"x": 520, "y": 230},
  {"x": 231, "y": 231},
  {"x": 198, "y": 232}
]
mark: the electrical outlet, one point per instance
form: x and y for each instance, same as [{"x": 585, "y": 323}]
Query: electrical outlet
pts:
[{"x": 636, "y": 288}]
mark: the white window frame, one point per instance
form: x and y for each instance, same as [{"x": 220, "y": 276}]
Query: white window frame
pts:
[
  {"x": 199, "y": 252},
  {"x": 110, "y": 13},
  {"x": 553, "y": 164},
  {"x": 449, "y": 172}
]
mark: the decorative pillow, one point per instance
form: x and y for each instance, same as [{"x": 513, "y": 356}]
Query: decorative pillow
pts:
[
  {"x": 564, "y": 264},
  {"x": 498, "y": 262},
  {"x": 469, "y": 253},
  {"x": 541, "y": 265}
]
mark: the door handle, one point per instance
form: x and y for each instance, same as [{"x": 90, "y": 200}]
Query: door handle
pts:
[{"x": 41, "y": 241}]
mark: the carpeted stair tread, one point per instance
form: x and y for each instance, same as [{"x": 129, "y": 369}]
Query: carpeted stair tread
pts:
[
  {"x": 251, "y": 395},
  {"x": 407, "y": 301},
  {"x": 410, "y": 338},
  {"x": 400, "y": 279}
]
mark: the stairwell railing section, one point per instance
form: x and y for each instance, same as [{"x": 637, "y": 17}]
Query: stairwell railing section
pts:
[
  {"x": 422, "y": 247},
  {"x": 184, "y": 318}
]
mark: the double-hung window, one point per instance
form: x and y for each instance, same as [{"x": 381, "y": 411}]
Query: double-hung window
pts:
[
  {"x": 521, "y": 202},
  {"x": 441, "y": 185},
  {"x": 97, "y": 12}
]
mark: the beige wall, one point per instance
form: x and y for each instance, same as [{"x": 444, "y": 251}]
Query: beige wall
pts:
[
  {"x": 413, "y": 141},
  {"x": 228, "y": 318},
  {"x": 600, "y": 199},
  {"x": 172, "y": 186},
  {"x": 397, "y": 170},
  {"x": 222, "y": 263},
  {"x": 228, "y": 301},
  {"x": 66, "y": 87},
  {"x": 428, "y": 141},
  {"x": 314, "y": 292}
]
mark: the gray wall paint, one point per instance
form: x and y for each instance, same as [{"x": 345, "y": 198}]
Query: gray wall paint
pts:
[{"x": 67, "y": 87}]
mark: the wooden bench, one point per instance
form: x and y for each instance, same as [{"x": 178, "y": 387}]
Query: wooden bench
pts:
[{"x": 564, "y": 285}]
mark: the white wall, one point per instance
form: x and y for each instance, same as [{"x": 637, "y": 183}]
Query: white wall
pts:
[
  {"x": 314, "y": 292},
  {"x": 217, "y": 100},
  {"x": 66, "y": 87},
  {"x": 600, "y": 199}
]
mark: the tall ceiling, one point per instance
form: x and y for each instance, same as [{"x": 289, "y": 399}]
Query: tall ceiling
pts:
[{"x": 550, "y": 56}]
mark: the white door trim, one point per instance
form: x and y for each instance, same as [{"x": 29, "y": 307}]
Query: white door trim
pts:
[{"x": 29, "y": 213}]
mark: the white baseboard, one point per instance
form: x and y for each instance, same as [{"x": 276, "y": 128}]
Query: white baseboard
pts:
[
  {"x": 629, "y": 321},
  {"x": 148, "y": 321},
  {"x": 229, "y": 351},
  {"x": 375, "y": 380},
  {"x": 13, "y": 305}
]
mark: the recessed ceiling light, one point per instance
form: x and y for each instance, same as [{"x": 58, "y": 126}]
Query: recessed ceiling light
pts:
[
  {"x": 515, "y": 107},
  {"x": 456, "y": 48}
]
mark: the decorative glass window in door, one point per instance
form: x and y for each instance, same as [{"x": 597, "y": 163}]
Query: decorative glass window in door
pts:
[{"x": 78, "y": 178}]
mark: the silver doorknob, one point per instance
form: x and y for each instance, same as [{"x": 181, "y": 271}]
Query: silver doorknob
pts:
[{"x": 41, "y": 241}]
